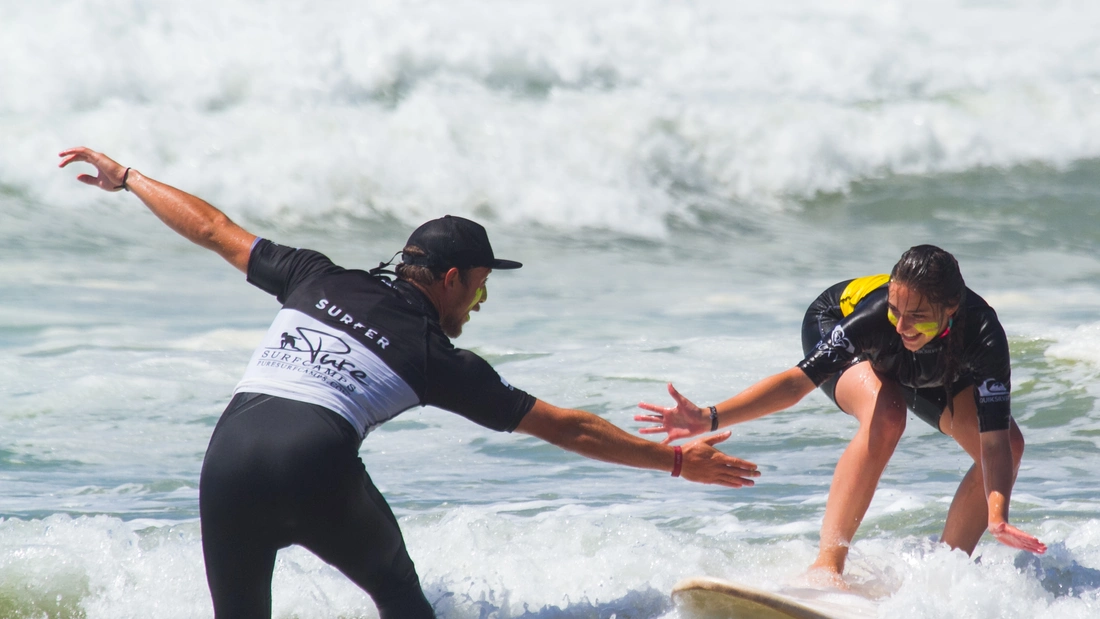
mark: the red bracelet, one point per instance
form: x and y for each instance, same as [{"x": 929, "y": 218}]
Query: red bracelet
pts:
[{"x": 678, "y": 454}]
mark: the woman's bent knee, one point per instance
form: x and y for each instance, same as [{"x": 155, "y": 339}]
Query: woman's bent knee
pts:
[{"x": 887, "y": 426}]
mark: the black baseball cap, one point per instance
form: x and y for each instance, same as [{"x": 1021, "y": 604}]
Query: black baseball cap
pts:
[{"x": 454, "y": 242}]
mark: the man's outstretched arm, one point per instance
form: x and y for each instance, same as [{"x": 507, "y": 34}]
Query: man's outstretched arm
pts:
[
  {"x": 596, "y": 438},
  {"x": 193, "y": 218}
]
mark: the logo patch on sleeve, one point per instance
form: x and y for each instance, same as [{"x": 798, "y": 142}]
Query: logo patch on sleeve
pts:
[{"x": 993, "y": 390}]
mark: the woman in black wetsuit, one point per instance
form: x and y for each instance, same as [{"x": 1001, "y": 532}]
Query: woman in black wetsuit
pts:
[{"x": 917, "y": 339}]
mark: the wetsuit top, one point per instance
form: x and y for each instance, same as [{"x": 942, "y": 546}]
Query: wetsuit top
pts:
[
  {"x": 365, "y": 347},
  {"x": 865, "y": 332}
]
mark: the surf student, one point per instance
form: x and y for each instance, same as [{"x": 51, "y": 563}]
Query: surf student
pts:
[
  {"x": 349, "y": 350},
  {"x": 915, "y": 339}
]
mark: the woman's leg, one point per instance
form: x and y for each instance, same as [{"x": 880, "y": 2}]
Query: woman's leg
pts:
[
  {"x": 968, "y": 516},
  {"x": 879, "y": 406}
]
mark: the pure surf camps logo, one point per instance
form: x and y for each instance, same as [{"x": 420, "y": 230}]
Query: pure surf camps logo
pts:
[
  {"x": 315, "y": 342},
  {"x": 325, "y": 356}
]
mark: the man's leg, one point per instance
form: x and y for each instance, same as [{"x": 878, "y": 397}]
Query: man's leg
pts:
[
  {"x": 239, "y": 561},
  {"x": 361, "y": 538},
  {"x": 236, "y": 513},
  {"x": 239, "y": 576}
]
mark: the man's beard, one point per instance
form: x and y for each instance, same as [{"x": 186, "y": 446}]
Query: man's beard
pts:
[{"x": 452, "y": 325}]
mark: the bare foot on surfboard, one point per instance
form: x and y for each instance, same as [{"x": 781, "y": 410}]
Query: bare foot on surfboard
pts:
[{"x": 823, "y": 578}]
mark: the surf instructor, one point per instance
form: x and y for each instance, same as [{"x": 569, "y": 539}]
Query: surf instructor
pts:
[
  {"x": 348, "y": 351},
  {"x": 915, "y": 339}
]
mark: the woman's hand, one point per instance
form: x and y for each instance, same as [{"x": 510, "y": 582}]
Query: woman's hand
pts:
[
  {"x": 1015, "y": 538},
  {"x": 680, "y": 421},
  {"x": 999, "y": 475}
]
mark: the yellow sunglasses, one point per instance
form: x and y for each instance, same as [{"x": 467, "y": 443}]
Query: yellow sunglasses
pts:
[
  {"x": 924, "y": 328},
  {"x": 479, "y": 297}
]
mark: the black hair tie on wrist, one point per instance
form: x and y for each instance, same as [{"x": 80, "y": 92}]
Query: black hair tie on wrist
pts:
[
  {"x": 125, "y": 175},
  {"x": 713, "y": 418}
]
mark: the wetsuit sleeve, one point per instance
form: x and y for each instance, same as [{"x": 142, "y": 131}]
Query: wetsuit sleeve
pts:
[
  {"x": 849, "y": 340},
  {"x": 464, "y": 383},
  {"x": 277, "y": 269},
  {"x": 990, "y": 367}
]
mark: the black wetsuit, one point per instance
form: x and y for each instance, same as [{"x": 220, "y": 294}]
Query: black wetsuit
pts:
[
  {"x": 347, "y": 352},
  {"x": 847, "y": 324}
]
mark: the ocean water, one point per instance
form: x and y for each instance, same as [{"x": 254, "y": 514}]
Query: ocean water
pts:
[{"x": 680, "y": 179}]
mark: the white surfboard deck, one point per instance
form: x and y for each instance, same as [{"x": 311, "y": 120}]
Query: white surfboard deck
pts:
[{"x": 713, "y": 598}]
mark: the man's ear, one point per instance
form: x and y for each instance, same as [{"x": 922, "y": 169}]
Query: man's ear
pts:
[{"x": 451, "y": 277}]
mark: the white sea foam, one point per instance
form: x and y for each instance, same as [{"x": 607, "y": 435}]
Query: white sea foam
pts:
[
  {"x": 569, "y": 562},
  {"x": 571, "y": 115},
  {"x": 1082, "y": 344}
]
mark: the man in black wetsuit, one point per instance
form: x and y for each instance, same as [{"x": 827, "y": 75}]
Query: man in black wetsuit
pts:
[{"x": 282, "y": 467}]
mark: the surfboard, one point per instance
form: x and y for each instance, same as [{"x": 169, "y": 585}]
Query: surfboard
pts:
[{"x": 713, "y": 598}]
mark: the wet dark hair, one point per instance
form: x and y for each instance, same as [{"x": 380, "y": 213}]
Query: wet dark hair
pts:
[
  {"x": 425, "y": 276},
  {"x": 935, "y": 274}
]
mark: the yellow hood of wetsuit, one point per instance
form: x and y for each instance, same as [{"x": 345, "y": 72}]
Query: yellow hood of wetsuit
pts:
[{"x": 859, "y": 288}]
